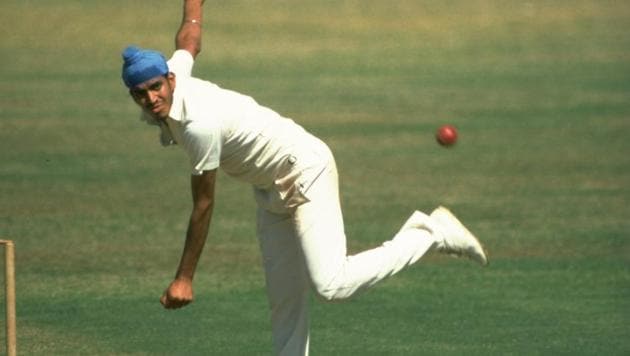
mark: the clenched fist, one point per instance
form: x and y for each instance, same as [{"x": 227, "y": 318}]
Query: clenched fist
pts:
[{"x": 178, "y": 294}]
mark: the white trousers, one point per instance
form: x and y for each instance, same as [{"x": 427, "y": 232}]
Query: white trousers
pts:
[{"x": 306, "y": 247}]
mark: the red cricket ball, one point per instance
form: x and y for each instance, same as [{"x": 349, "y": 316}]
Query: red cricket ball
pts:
[{"x": 446, "y": 135}]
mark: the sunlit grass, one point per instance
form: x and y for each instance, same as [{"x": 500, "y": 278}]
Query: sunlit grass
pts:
[{"x": 539, "y": 91}]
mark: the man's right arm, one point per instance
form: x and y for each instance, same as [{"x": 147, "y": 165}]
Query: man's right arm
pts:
[
  {"x": 189, "y": 34},
  {"x": 180, "y": 292}
]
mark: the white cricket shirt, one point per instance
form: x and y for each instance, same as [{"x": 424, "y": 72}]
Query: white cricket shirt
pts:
[{"x": 222, "y": 128}]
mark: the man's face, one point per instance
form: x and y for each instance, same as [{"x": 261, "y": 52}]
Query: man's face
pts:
[{"x": 155, "y": 96}]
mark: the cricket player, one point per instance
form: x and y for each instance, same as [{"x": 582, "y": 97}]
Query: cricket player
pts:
[{"x": 294, "y": 178}]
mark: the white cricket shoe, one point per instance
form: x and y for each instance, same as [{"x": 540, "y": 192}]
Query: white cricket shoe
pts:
[{"x": 456, "y": 239}]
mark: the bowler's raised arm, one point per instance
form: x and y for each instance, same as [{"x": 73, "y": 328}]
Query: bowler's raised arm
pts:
[{"x": 189, "y": 34}]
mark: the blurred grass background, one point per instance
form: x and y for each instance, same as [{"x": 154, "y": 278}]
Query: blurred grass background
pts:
[{"x": 540, "y": 92}]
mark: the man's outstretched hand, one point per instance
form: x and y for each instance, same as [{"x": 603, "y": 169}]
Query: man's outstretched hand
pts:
[{"x": 178, "y": 294}]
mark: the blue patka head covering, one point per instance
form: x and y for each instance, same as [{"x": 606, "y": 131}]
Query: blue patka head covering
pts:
[{"x": 141, "y": 65}]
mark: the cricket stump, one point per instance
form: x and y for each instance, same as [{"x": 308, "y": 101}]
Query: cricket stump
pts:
[{"x": 9, "y": 283}]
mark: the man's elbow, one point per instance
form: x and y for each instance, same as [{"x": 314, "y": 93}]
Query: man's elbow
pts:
[
  {"x": 203, "y": 207},
  {"x": 189, "y": 43}
]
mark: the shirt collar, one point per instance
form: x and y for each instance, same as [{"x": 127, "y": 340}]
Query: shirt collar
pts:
[{"x": 148, "y": 118}]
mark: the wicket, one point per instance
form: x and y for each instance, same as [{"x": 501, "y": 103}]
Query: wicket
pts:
[{"x": 9, "y": 282}]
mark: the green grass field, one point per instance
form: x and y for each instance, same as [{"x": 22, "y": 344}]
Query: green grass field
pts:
[{"x": 540, "y": 92}]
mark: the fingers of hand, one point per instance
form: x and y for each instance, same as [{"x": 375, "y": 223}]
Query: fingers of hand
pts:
[{"x": 173, "y": 302}]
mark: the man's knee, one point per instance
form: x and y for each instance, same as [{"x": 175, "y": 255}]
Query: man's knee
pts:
[{"x": 329, "y": 292}]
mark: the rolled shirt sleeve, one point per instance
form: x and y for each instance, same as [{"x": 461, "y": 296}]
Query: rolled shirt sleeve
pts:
[
  {"x": 181, "y": 63},
  {"x": 202, "y": 143}
]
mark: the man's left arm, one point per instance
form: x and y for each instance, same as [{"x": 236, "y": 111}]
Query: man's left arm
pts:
[
  {"x": 189, "y": 34},
  {"x": 180, "y": 293}
]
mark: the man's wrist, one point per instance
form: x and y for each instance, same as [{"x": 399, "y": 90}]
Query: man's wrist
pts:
[{"x": 184, "y": 277}]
